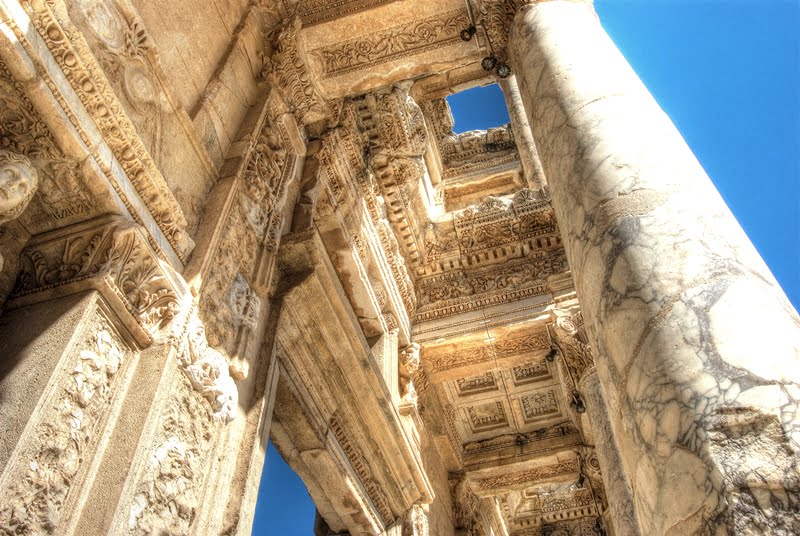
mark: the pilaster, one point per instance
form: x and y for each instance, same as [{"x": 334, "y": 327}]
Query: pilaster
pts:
[{"x": 88, "y": 300}]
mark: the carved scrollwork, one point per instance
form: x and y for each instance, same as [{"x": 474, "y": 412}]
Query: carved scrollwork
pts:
[{"x": 394, "y": 43}]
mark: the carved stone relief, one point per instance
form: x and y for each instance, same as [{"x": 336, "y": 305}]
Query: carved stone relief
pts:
[
  {"x": 361, "y": 465},
  {"x": 56, "y": 454},
  {"x": 289, "y": 70},
  {"x": 447, "y": 358},
  {"x": 63, "y": 197},
  {"x": 317, "y": 11},
  {"x": 416, "y": 522},
  {"x": 488, "y": 416},
  {"x": 109, "y": 254},
  {"x": 409, "y": 367},
  {"x": 169, "y": 488},
  {"x": 394, "y": 43},
  {"x": 18, "y": 183},
  {"x": 87, "y": 79},
  {"x": 126, "y": 52}
]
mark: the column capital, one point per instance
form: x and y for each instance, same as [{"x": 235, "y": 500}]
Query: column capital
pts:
[{"x": 109, "y": 254}]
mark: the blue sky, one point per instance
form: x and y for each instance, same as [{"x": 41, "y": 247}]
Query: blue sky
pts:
[{"x": 728, "y": 74}]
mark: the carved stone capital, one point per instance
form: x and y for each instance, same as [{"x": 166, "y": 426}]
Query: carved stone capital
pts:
[{"x": 109, "y": 254}]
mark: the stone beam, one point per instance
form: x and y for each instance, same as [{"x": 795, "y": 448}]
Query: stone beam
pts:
[
  {"x": 323, "y": 344},
  {"x": 562, "y": 467}
]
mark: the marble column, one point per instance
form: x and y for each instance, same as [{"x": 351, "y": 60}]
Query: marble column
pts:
[
  {"x": 618, "y": 489},
  {"x": 698, "y": 347},
  {"x": 526, "y": 147}
]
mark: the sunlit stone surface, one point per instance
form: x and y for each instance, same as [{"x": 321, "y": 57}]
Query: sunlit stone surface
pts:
[{"x": 230, "y": 222}]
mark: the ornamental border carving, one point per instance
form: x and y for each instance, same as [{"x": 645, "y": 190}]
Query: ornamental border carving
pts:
[
  {"x": 517, "y": 478},
  {"x": 361, "y": 467},
  {"x": 313, "y": 12},
  {"x": 392, "y": 44},
  {"x": 87, "y": 79}
]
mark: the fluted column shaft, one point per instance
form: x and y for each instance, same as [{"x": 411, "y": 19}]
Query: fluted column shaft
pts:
[{"x": 698, "y": 348}]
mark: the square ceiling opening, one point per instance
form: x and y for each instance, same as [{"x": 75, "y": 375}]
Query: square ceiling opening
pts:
[{"x": 478, "y": 108}]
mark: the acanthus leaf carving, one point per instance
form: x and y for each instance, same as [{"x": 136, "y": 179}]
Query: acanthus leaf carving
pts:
[
  {"x": 461, "y": 291},
  {"x": 110, "y": 254}
]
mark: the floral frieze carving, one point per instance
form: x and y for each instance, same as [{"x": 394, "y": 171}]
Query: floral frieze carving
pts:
[
  {"x": 448, "y": 358},
  {"x": 558, "y": 471},
  {"x": 109, "y": 254},
  {"x": 392, "y": 44},
  {"x": 464, "y": 291}
]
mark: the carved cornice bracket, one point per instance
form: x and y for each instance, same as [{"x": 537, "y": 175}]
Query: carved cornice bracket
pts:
[
  {"x": 288, "y": 70},
  {"x": 109, "y": 254}
]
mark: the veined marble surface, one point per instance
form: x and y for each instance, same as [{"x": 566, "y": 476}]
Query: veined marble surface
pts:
[{"x": 698, "y": 345}]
